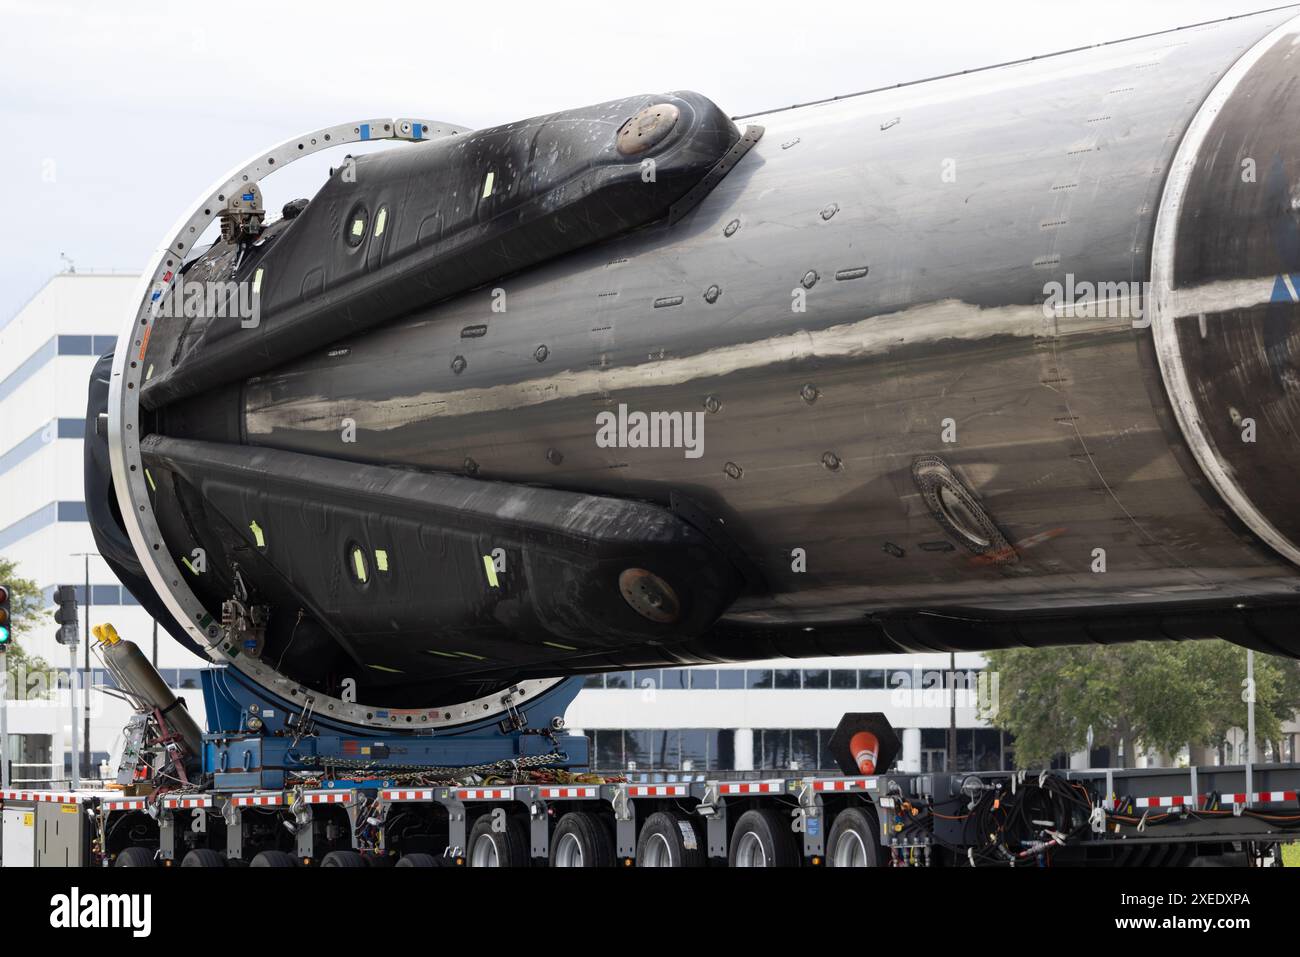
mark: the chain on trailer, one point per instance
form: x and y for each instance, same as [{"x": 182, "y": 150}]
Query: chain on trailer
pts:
[{"x": 338, "y": 767}]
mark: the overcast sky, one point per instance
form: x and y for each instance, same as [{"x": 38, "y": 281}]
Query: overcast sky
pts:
[{"x": 117, "y": 115}]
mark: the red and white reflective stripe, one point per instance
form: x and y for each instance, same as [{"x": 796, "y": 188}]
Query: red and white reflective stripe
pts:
[
  {"x": 752, "y": 787},
  {"x": 49, "y": 797},
  {"x": 843, "y": 784},
  {"x": 658, "y": 790},
  {"x": 569, "y": 792},
  {"x": 327, "y": 797},
  {"x": 1261, "y": 797},
  {"x": 1178, "y": 800},
  {"x": 1189, "y": 800},
  {"x": 128, "y": 804},
  {"x": 257, "y": 800},
  {"x": 1278, "y": 797},
  {"x": 417, "y": 795},
  {"x": 485, "y": 794},
  {"x": 184, "y": 802}
]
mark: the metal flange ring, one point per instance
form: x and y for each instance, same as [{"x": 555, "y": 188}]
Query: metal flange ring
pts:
[{"x": 128, "y": 468}]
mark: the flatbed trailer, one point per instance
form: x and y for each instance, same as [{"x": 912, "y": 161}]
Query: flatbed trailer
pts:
[{"x": 1103, "y": 817}]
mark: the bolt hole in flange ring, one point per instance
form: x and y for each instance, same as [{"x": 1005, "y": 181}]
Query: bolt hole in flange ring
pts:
[{"x": 127, "y": 468}]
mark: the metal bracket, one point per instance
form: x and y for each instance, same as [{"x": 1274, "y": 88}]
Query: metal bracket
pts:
[{"x": 714, "y": 176}]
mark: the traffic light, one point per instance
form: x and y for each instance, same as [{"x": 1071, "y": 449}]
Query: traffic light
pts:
[
  {"x": 6, "y": 623},
  {"x": 66, "y": 615}
]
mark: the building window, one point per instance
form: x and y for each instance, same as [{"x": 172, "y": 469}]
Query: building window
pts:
[
  {"x": 988, "y": 749},
  {"x": 775, "y": 751},
  {"x": 106, "y": 594},
  {"x": 72, "y": 511},
  {"x": 638, "y": 749},
  {"x": 730, "y": 678},
  {"x": 704, "y": 679},
  {"x": 803, "y": 750},
  {"x": 609, "y": 750},
  {"x": 76, "y": 345},
  {"x": 871, "y": 679}
]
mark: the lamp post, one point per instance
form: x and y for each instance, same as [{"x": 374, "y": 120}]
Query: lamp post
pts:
[{"x": 84, "y": 759}]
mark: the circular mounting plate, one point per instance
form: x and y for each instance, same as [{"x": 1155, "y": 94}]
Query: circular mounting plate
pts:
[{"x": 128, "y": 471}]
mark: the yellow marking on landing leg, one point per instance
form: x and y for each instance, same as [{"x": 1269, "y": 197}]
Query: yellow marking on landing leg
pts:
[
  {"x": 257, "y": 533},
  {"x": 392, "y": 671},
  {"x": 556, "y": 644},
  {"x": 491, "y": 571},
  {"x": 381, "y": 559},
  {"x": 186, "y": 562}
]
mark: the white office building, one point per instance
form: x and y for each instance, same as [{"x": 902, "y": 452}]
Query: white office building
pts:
[
  {"x": 779, "y": 715},
  {"x": 758, "y": 716},
  {"x": 47, "y": 351}
]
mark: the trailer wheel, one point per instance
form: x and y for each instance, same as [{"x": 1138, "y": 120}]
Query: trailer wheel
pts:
[
  {"x": 274, "y": 859},
  {"x": 762, "y": 839},
  {"x": 491, "y": 848},
  {"x": 136, "y": 857},
  {"x": 417, "y": 860},
  {"x": 669, "y": 839},
  {"x": 203, "y": 857},
  {"x": 582, "y": 839},
  {"x": 343, "y": 859},
  {"x": 854, "y": 841}
]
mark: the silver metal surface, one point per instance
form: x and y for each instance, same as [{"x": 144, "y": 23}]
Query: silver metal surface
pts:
[
  {"x": 1060, "y": 425},
  {"x": 899, "y": 416}
]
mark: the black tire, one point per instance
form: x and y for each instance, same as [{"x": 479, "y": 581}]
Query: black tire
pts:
[
  {"x": 136, "y": 857},
  {"x": 343, "y": 859},
  {"x": 854, "y": 840},
  {"x": 582, "y": 839},
  {"x": 417, "y": 860},
  {"x": 203, "y": 857},
  {"x": 273, "y": 859},
  {"x": 489, "y": 848},
  {"x": 670, "y": 839},
  {"x": 763, "y": 839}
]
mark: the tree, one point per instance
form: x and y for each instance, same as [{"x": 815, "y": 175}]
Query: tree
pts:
[
  {"x": 1161, "y": 695},
  {"x": 26, "y": 606},
  {"x": 1277, "y": 691}
]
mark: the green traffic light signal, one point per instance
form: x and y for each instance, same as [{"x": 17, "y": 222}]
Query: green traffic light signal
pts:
[{"x": 4, "y": 635}]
